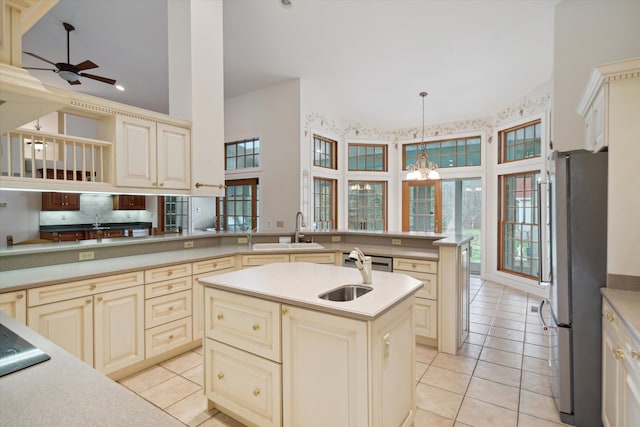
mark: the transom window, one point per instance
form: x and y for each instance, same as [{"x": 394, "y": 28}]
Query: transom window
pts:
[
  {"x": 325, "y": 152},
  {"x": 367, "y": 205},
  {"x": 520, "y": 142},
  {"x": 519, "y": 221},
  {"x": 367, "y": 157},
  {"x": 449, "y": 153},
  {"x": 238, "y": 210},
  {"x": 325, "y": 206},
  {"x": 242, "y": 154}
]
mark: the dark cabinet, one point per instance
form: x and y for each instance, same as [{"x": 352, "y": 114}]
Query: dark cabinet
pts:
[
  {"x": 60, "y": 201},
  {"x": 64, "y": 236},
  {"x": 126, "y": 202}
]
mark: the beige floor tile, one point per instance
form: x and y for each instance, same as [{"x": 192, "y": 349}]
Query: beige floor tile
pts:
[
  {"x": 437, "y": 400},
  {"x": 537, "y": 339},
  {"x": 536, "y": 351},
  {"x": 484, "y": 304},
  {"x": 517, "y": 308},
  {"x": 192, "y": 410},
  {"x": 478, "y": 328},
  {"x": 498, "y": 373},
  {"x": 221, "y": 420},
  {"x": 458, "y": 424},
  {"x": 183, "y": 362},
  {"x": 169, "y": 392},
  {"x": 421, "y": 368},
  {"x": 470, "y": 350},
  {"x": 499, "y": 357},
  {"x": 464, "y": 365},
  {"x": 504, "y": 344},
  {"x": 494, "y": 393},
  {"x": 446, "y": 379},
  {"x": 482, "y": 319},
  {"x": 509, "y": 324},
  {"x": 525, "y": 420},
  {"x": 510, "y": 334},
  {"x": 539, "y": 405},
  {"x": 518, "y": 317},
  {"x": 195, "y": 374},
  {"x": 537, "y": 383},
  {"x": 533, "y": 364},
  {"x": 146, "y": 379},
  {"x": 487, "y": 298},
  {"x": 482, "y": 310},
  {"x": 425, "y": 354},
  {"x": 429, "y": 419},
  {"x": 481, "y": 414},
  {"x": 477, "y": 339}
]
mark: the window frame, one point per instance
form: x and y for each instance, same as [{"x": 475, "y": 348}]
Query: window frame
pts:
[
  {"x": 333, "y": 156},
  {"x": 478, "y": 136},
  {"x": 255, "y": 156},
  {"x": 437, "y": 184},
  {"x": 334, "y": 201},
  {"x": 385, "y": 157},
  {"x": 385, "y": 201},
  {"x": 502, "y": 146},
  {"x": 254, "y": 182}
]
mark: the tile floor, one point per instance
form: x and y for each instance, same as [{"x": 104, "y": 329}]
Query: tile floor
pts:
[{"x": 498, "y": 379}]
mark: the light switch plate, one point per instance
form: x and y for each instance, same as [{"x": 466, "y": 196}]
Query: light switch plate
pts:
[
  {"x": 336, "y": 238},
  {"x": 242, "y": 240},
  {"x": 396, "y": 242},
  {"x": 188, "y": 244},
  {"x": 85, "y": 256}
]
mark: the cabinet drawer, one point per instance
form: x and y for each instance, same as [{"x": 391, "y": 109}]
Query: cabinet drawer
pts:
[
  {"x": 165, "y": 273},
  {"x": 167, "y": 287},
  {"x": 214, "y": 264},
  {"x": 426, "y": 318},
  {"x": 166, "y": 337},
  {"x": 14, "y": 304},
  {"x": 167, "y": 308},
  {"x": 323, "y": 258},
  {"x": 417, "y": 265},
  {"x": 80, "y": 288},
  {"x": 244, "y": 383},
  {"x": 253, "y": 260},
  {"x": 247, "y": 323},
  {"x": 430, "y": 284}
]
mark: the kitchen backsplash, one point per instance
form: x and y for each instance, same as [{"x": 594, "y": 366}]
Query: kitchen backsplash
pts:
[{"x": 90, "y": 206}]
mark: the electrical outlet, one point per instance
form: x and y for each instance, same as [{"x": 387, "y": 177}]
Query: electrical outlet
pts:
[
  {"x": 188, "y": 244},
  {"x": 533, "y": 308},
  {"x": 280, "y": 223},
  {"x": 242, "y": 240},
  {"x": 336, "y": 238},
  {"x": 396, "y": 242},
  {"x": 84, "y": 256}
]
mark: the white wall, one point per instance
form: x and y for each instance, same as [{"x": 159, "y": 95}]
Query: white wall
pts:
[
  {"x": 273, "y": 115},
  {"x": 20, "y": 216},
  {"x": 586, "y": 34}
]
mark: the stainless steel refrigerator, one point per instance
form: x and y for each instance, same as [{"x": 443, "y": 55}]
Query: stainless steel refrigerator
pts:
[{"x": 575, "y": 267}]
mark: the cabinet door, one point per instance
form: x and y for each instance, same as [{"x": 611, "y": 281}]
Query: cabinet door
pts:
[
  {"x": 426, "y": 318},
  {"x": 324, "y": 369},
  {"x": 129, "y": 202},
  {"x": 174, "y": 157},
  {"x": 610, "y": 375},
  {"x": 135, "y": 152},
  {"x": 119, "y": 329},
  {"x": 631, "y": 394},
  {"x": 68, "y": 324},
  {"x": 198, "y": 298},
  {"x": 14, "y": 304},
  {"x": 60, "y": 201}
]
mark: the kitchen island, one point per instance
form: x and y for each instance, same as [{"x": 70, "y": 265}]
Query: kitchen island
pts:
[{"x": 278, "y": 354}]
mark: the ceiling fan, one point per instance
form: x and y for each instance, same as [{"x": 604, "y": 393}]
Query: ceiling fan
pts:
[{"x": 66, "y": 70}]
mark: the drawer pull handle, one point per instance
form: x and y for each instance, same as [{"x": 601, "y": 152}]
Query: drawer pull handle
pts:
[
  {"x": 170, "y": 307},
  {"x": 171, "y": 336},
  {"x": 220, "y": 316},
  {"x": 610, "y": 317},
  {"x": 89, "y": 301},
  {"x": 617, "y": 352},
  {"x": 256, "y": 392},
  {"x": 170, "y": 273},
  {"x": 215, "y": 264},
  {"x": 19, "y": 296},
  {"x": 220, "y": 375},
  {"x": 635, "y": 354},
  {"x": 93, "y": 286},
  {"x": 255, "y": 327},
  {"x": 413, "y": 266},
  {"x": 170, "y": 287}
]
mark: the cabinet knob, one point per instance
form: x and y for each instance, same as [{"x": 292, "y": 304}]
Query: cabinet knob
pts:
[
  {"x": 170, "y": 307},
  {"x": 170, "y": 287},
  {"x": 220, "y": 375},
  {"x": 162, "y": 184},
  {"x": 171, "y": 336},
  {"x": 99, "y": 299},
  {"x": 610, "y": 317},
  {"x": 170, "y": 272},
  {"x": 285, "y": 310},
  {"x": 635, "y": 354},
  {"x": 220, "y": 316},
  {"x": 215, "y": 264},
  {"x": 413, "y": 266},
  {"x": 617, "y": 352},
  {"x": 255, "y": 327},
  {"x": 89, "y": 301},
  {"x": 256, "y": 392},
  {"x": 93, "y": 286},
  {"x": 19, "y": 296}
]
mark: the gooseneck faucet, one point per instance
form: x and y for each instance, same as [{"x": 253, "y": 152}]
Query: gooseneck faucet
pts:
[
  {"x": 299, "y": 224},
  {"x": 363, "y": 263}
]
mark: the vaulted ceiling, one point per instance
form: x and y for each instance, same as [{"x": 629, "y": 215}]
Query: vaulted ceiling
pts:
[{"x": 367, "y": 59}]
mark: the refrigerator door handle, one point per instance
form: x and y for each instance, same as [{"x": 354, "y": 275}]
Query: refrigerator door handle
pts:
[
  {"x": 541, "y": 319},
  {"x": 544, "y": 251}
]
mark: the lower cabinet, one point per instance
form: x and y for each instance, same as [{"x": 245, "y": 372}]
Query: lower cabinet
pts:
[{"x": 14, "y": 304}]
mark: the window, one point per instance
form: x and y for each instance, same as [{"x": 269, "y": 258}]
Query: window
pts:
[
  {"x": 367, "y": 157},
  {"x": 242, "y": 154},
  {"x": 367, "y": 205},
  {"x": 520, "y": 142},
  {"x": 448, "y": 153},
  {"x": 325, "y": 206},
  {"x": 518, "y": 228},
  {"x": 238, "y": 210},
  {"x": 324, "y": 152},
  {"x": 173, "y": 213}
]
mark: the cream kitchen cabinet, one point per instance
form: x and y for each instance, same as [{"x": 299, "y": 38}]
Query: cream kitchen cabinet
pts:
[
  {"x": 152, "y": 154},
  {"x": 15, "y": 305},
  {"x": 318, "y": 258},
  {"x": 255, "y": 260},
  {"x": 620, "y": 371}
]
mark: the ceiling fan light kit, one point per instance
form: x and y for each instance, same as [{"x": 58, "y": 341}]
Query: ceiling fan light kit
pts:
[{"x": 67, "y": 71}]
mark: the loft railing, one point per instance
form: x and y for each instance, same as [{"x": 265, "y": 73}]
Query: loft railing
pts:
[{"x": 52, "y": 157}]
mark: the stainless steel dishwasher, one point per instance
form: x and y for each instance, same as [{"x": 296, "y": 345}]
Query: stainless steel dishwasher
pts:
[{"x": 380, "y": 263}]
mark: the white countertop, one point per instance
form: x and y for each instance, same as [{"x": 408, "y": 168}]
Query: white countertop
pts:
[
  {"x": 300, "y": 284},
  {"x": 627, "y": 304},
  {"x": 65, "y": 391}
]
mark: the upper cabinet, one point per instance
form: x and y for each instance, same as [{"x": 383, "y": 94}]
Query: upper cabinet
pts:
[
  {"x": 60, "y": 201},
  {"x": 129, "y": 202}
]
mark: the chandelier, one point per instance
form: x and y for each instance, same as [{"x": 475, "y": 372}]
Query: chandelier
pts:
[{"x": 423, "y": 168}]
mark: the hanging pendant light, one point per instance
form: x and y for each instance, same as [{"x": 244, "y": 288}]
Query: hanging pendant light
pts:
[{"x": 423, "y": 168}]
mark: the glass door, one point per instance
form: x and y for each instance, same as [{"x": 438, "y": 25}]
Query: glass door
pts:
[{"x": 421, "y": 206}]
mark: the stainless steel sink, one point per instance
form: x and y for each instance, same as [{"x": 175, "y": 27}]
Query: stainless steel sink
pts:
[{"x": 346, "y": 293}]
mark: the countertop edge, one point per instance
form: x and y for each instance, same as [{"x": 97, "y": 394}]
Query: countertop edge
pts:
[{"x": 627, "y": 304}]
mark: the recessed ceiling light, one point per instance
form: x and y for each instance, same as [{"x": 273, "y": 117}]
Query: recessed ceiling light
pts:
[{"x": 120, "y": 87}]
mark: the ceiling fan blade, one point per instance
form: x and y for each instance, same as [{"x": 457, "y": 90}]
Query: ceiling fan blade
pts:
[
  {"x": 39, "y": 57},
  {"x": 98, "y": 78},
  {"x": 35, "y": 68},
  {"x": 86, "y": 65},
  {"x": 77, "y": 82}
]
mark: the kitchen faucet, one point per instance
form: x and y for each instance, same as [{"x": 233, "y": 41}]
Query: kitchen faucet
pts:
[
  {"x": 299, "y": 224},
  {"x": 97, "y": 223},
  {"x": 250, "y": 236},
  {"x": 363, "y": 263}
]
